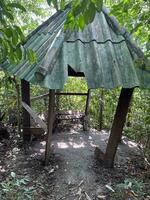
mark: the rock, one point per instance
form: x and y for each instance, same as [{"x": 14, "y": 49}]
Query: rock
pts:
[{"x": 101, "y": 197}]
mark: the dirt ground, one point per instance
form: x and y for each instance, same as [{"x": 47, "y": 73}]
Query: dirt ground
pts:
[{"x": 73, "y": 173}]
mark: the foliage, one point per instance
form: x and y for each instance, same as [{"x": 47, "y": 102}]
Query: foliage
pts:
[
  {"x": 138, "y": 119},
  {"x": 130, "y": 189},
  {"x": 10, "y": 34},
  {"x": 41, "y": 105},
  {"x": 134, "y": 15},
  {"x": 73, "y": 102},
  {"x": 16, "y": 189},
  {"x": 15, "y": 20},
  {"x": 82, "y": 12}
]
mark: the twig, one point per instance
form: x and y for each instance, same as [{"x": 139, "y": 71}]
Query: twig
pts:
[
  {"x": 80, "y": 183},
  {"x": 87, "y": 196}
]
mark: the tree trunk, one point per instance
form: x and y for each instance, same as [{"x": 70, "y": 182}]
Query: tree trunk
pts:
[{"x": 117, "y": 126}]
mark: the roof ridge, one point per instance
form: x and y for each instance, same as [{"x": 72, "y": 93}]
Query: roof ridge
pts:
[
  {"x": 114, "y": 24},
  {"x": 47, "y": 22}
]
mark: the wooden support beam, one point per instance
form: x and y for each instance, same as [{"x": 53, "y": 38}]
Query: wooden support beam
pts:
[
  {"x": 117, "y": 126},
  {"x": 86, "y": 118},
  {"x": 25, "y": 93},
  {"x": 50, "y": 125},
  {"x": 87, "y": 102},
  {"x": 35, "y": 117},
  {"x": 101, "y": 110}
]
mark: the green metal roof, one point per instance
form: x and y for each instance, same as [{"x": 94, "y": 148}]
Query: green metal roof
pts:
[{"x": 103, "y": 52}]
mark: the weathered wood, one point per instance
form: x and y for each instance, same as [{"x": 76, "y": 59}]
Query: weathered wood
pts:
[
  {"x": 87, "y": 102},
  {"x": 86, "y": 118},
  {"x": 50, "y": 125},
  {"x": 25, "y": 93},
  {"x": 17, "y": 86},
  {"x": 117, "y": 126},
  {"x": 35, "y": 117},
  {"x": 101, "y": 110},
  {"x": 36, "y": 131},
  {"x": 39, "y": 97}
]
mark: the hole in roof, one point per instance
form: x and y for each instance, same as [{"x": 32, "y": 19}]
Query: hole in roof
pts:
[{"x": 72, "y": 72}]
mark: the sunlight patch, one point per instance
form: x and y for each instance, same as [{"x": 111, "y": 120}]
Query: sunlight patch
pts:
[
  {"x": 77, "y": 146},
  {"x": 62, "y": 145}
]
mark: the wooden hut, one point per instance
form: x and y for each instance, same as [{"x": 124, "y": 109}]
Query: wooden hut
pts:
[{"x": 103, "y": 53}]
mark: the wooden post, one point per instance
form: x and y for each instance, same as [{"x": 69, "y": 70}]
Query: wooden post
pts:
[
  {"x": 50, "y": 125},
  {"x": 86, "y": 118},
  {"x": 117, "y": 126},
  {"x": 101, "y": 110},
  {"x": 87, "y": 103},
  {"x": 25, "y": 93}
]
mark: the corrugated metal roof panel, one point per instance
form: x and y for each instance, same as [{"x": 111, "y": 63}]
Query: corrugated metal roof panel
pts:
[{"x": 99, "y": 52}]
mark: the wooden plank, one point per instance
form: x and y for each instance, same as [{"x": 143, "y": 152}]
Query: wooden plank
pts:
[
  {"x": 25, "y": 93},
  {"x": 74, "y": 118},
  {"x": 36, "y": 131},
  {"x": 50, "y": 125},
  {"x": 35, "y": 117},
  {"x": 39, "y": 97},
  {"x": 117, "y": 126}
]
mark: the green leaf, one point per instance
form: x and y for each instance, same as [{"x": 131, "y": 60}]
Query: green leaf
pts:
[
  {"x": 81, "y": 22},
  {"x": 8, "y": 14},
  {"x": 77, "y": 10},
  {"x": 13, "y": 175},
  {"x": 62, "y": 4},
  {"x": 8, "y": 32},
  {"x": 17, "y": 5},
  {"x": 19, "y": 53},
  {"x": 20, "y": 33},
  {"x": 49, "y": 2},
  {"x": 14, "y": 38},
  {"x": 31, "y": 55},
  {"x": 89, "y": 14},
  {"x": 98, "y": 4}
]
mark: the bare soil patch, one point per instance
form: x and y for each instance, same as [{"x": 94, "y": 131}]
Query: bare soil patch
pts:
[{"x": 73, "y": 173}]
